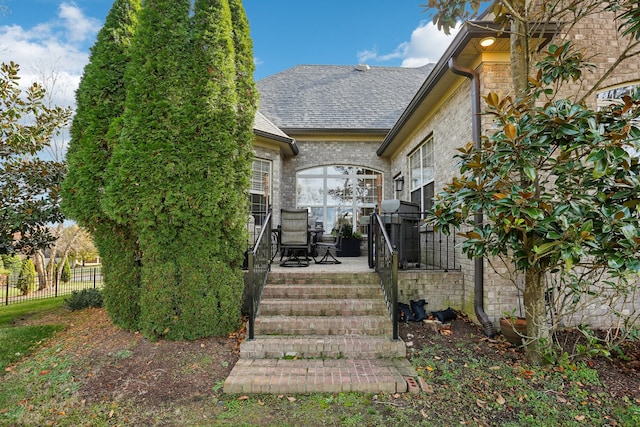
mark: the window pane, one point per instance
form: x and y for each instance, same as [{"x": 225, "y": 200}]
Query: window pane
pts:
[
  {"x": 427, "y": 161},
  {"x": 367, "y": 191},
  {"x": 260, "y": 176},
  {"x": 427, "y": 194},
  {"x": 310, "y": 192},
  {"x": 416, "y": 172},
  {"x": 339, "y": 192}
]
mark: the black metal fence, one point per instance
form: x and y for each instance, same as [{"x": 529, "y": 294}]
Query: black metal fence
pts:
[{"x": 81, "y": 278}]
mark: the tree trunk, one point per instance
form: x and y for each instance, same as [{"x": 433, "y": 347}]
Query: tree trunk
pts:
[
  {"x": 41, "y": 270},
  {"x": 520, "y": 51},
  {"x": 536, "y": 315}
]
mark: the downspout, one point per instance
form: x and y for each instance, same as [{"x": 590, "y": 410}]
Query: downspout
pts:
[{"x": 478, "y": 278}]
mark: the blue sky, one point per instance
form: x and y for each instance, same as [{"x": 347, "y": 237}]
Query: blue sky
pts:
[{"x": 52, "y": 37}]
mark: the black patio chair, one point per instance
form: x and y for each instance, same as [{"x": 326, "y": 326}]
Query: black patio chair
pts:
[{"x": 328, "y": 257}]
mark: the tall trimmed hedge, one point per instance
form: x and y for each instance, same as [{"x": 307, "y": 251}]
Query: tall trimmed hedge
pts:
[
  {"x": 94, "y": 132},
  {"x": 171, "y": 203}
]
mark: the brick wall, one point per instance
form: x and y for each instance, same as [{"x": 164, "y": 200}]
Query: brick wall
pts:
[{"x": 320, "y": 153}]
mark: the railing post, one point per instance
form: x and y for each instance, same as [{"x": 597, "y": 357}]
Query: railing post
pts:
[
  {"x": 394, "y": 293},
  {"x": 6, "y": 298},
  {"x": 252, "y": 302}
]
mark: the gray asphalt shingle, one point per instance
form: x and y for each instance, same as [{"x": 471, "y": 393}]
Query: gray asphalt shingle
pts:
[{"x": 339, "y": 97}]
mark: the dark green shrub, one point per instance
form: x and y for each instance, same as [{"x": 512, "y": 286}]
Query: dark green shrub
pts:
[
  {"x": 65, "y": 277},
  {"x": 27, "y": 279},
  {"x": 86, "y": 298}
]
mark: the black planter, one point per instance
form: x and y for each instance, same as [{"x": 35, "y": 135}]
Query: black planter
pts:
[{"x": 349, "y": 248}]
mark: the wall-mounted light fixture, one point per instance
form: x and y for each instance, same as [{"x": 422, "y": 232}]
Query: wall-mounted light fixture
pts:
[
  {"x": 399, "y": 183},
  {"x": 487, "y": 41}
]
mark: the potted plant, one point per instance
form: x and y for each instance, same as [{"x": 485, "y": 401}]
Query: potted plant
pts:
[
  {"x": 513, "y": 328},
  {"x": 350, "y": 243}
]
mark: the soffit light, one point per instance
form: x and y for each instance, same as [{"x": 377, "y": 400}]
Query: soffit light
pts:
[{"x": 487, "y": 41}]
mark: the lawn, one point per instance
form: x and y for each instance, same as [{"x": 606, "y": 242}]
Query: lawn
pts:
[
  {"x": 19, "y": 341},
  {"x": 91, "y": 373}
]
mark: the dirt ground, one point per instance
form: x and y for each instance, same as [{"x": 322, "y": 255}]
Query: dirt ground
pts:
[
  {"x": 120, "y": 365},
  {"x": 620, "y": 376}
]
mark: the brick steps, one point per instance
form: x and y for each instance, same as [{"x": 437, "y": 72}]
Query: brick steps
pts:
[
  {"x": 316, "y": 291},
  {"x": 322, "y": 347},
  {"x": 322, "y": 307},
  {"x": 273, "y": 376},
  {"x": 323, "y": 332},
  {"x": 323, "y": 325}
]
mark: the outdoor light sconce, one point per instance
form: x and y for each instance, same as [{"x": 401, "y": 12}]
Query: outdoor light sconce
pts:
[{"x": 399, "y": 184}]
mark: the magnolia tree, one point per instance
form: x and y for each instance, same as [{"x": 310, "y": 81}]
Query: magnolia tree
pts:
[
  {"x": 556, "y": 180},
  {"x": 29, "y": 185}
]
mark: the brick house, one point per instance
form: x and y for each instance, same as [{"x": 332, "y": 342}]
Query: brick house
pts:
[{"x": 325, "y": 133}]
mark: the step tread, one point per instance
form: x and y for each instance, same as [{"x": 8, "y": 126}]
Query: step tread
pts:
[
  {"x": 319, "y": 376},
  {"x": 322, "y": 346}
]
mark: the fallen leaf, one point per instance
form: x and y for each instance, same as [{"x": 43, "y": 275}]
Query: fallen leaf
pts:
[
  {"x": 481, "y": 403},
  {"x": 260, "y": 402},
  {"x": 111, "y": 414},
  {"x": 429, "y": 368},
  {"x": 580, "y": 417},
  {"x": 500, "y": 400},
  {"x": 291, "y": 399},
  {"x": 245, "y": 397},
  {"x": 45, "y": 372},
  {"x": 423, "y": 413},
  {"x": 494, "y": 368}
]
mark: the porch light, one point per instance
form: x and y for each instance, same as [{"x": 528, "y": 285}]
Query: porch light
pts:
[
  {"x": 487, "y": 41},
  {"x": 399, "y": 184}
]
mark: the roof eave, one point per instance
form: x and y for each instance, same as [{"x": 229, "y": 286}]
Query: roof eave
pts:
[
  {"x": 288, "y": 144},
  {"x": 338, "y": 131},
  {"x": 468, "y": 32}
]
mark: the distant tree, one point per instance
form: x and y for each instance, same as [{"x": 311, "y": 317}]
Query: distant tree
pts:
[
  {"x": 4, "y": 273},
  {"x": 30, "y": 186},
  {"x": 94, "y": 133},
  {"x": 13, "y": 263},
  {"x": 27, "y": 278}
]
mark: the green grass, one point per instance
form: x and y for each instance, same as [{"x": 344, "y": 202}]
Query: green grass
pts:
[
  {"x": 467, "y": 388},
  {"x": 19, "y": 341},
  {"x": 8, "y": 313}
]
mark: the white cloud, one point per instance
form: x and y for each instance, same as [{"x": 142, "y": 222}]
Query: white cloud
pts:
[
  {"x": 426, "y": 46},
  {"x": 53, "y": 53}
]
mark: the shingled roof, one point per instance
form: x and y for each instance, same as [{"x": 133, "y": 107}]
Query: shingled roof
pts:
[{"x": 331, "y": 97}]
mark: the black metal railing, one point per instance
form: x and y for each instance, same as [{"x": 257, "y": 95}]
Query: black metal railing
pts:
[
  {"x": 258, "y": 265},
  {"x": 419, "y": 246},
  {"x": 385, "y": 259},
  {"x": 80, "y": 278}
]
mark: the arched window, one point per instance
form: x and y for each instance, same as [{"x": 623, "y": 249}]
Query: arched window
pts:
[{"x": 331, "y": 192}]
